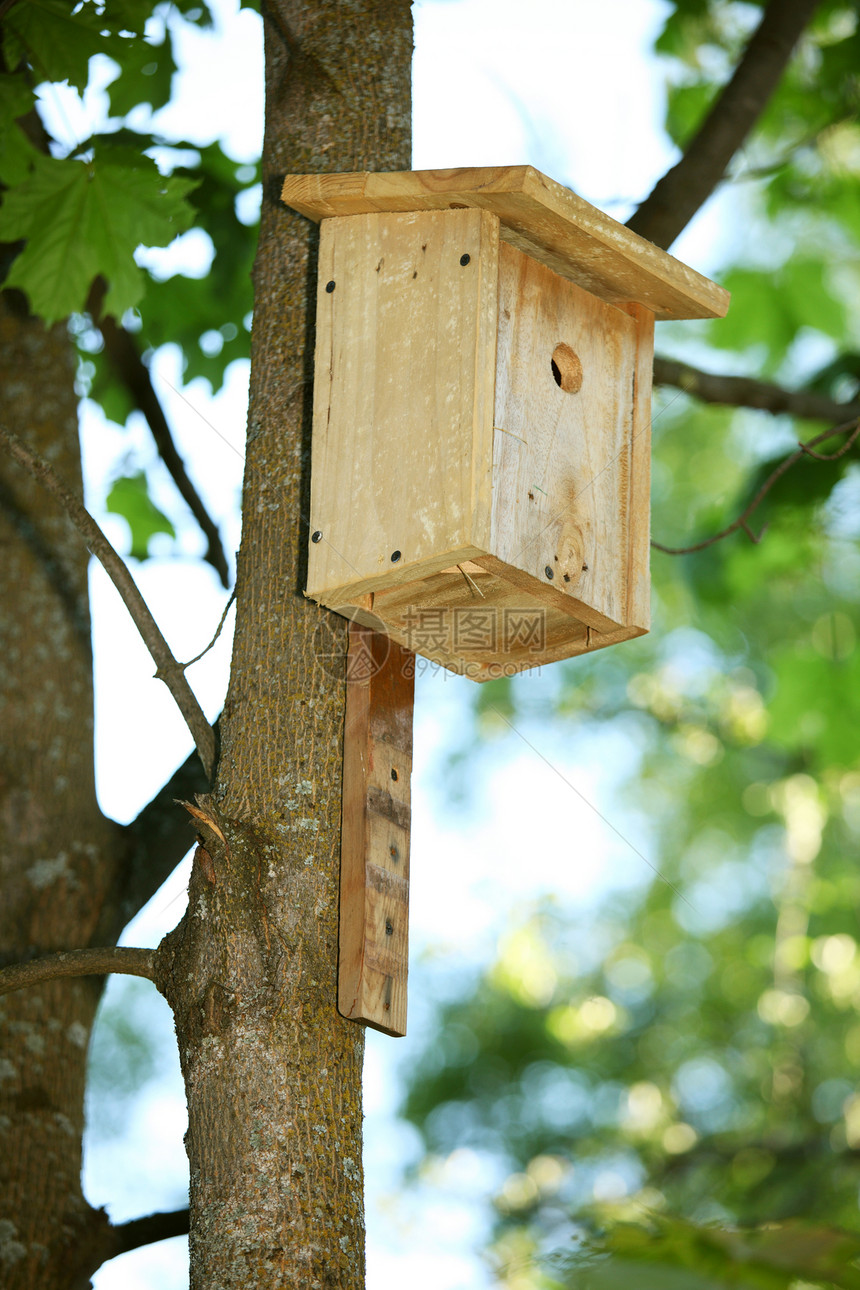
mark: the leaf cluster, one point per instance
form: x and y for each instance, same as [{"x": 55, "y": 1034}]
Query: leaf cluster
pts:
[{"x": 75, "y": 217}]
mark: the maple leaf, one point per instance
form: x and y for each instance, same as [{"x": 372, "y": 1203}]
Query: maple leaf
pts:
[{"x": 82, "y": 219}]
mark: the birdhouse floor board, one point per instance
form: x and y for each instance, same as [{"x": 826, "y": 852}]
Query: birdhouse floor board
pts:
[
  {"x": 374, "y": 876},
  {"x": 480, "y": 626}
]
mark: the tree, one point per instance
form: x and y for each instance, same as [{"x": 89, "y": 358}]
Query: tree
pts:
[{"x": 273, "y": 1075}]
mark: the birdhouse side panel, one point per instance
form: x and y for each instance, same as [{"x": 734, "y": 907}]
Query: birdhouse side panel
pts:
[
  {"x": 639, "y": 504},
  {"x": 563, "y": 430},
  {"x": 403, "y": 398}
]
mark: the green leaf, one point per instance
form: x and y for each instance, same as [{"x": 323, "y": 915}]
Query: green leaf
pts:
[
  {"x": 770, "y": 307},
  {"x": 144, "y": 75},
  {"x": 816, "y": 700},
  {"x": 129, "y": 497},
  {"x": 57, "y": 42},
  {"x": 128, "y": 15},
  {"x": 16, "y": 98},
  {"x": 771, "y": 1256},
  {"x": 686, "y": 109},
  {"x": 17, "y": 154},
  {"x": 82, "y": 219}
]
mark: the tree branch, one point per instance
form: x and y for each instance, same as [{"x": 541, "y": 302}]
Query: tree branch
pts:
[
  {"x": 87, "y": 962},
  {"x": 168, "y": 669},
  {"x": 742, "y": 522},
  {"x": 156, "y": 841},
  {"x": 145, "y": 1231},
  {"x": 744, "y": 392},
  {"x": 121, "y": 348},
  {"x": 687, "y": 186}
]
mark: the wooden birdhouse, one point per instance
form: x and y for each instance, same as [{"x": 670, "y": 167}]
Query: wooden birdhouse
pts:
[
  {"x": 482, "y": 405},
  {"x": 479, "y": 473}
]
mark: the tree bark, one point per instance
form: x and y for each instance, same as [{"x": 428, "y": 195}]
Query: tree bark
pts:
[
  {"x": 273, "y": 1074},
  {"x": 57, "y": 852}
]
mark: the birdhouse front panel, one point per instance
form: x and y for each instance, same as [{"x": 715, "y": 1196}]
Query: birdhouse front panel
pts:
[
  {"x": 480, "y": 464},
  {"x": 401, "y": 481}
]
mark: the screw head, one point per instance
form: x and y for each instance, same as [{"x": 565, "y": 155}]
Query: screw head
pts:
[
  {"x": 395, "y": 556},
  {"x": 465, "y": 258},
  {"x": 329, "y": 286},
  {"x": 549, "y": 573},
  {"x": 316, "y": 537}
]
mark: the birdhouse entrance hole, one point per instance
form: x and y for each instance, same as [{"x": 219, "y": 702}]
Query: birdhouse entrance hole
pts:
[{"x": 566, "y": 369}]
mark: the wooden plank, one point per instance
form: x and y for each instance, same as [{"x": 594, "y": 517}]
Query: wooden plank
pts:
[
  {"x": 639, "y": 504},
  {"x": 540, "y": 217},
  {"x": 484, "y": 631},
  {"x": 563, "y": 429},
  {"x": 374, "y": 868},
  {"x": 403, "y": 397}
]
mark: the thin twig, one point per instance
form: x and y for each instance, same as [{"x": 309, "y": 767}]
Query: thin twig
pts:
[
  {"x": 198, "y": 657},
  {"x": 168, "y": 669},
  {"x": 742, "y": 522},
  {"x": 686, "y": 187},
  {"x": 124, "y": 355},
  {"x": 745, "y": 392},
  {"x": 90, "y": 962}
]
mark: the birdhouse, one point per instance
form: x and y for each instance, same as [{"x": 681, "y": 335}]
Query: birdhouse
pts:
[
  {"x": 479, "y": 471},
  {"x": 482, "y": 406}
]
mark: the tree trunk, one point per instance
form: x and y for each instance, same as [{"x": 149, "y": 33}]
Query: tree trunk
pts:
[
  {"x": 57, "y": 852},
  {"x": 273, "y": 1074}
]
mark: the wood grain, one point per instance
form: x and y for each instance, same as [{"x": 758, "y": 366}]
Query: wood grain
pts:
[
  {"x": 562, "y": 460},
  {"x": 481, "y": 469},
  {"x": 403, "y": 397},
  {"x": 374, "y": 874},
  {"x": 540, "y": 217},
  {"x": 639, "y": 501}
]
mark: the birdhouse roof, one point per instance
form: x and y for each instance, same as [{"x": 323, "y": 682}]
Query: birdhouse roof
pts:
[{"x": 537, "y": 215}]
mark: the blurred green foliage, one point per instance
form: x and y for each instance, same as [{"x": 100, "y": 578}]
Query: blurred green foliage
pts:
[{"x": 668, "y": 1088}]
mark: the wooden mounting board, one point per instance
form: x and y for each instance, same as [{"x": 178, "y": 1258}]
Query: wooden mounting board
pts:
[
  {"x": 538, "y": 216},
  {"x": 374, "y": 865}
]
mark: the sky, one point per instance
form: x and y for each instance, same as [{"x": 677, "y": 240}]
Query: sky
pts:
[{"x": 572, "y": 88}]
